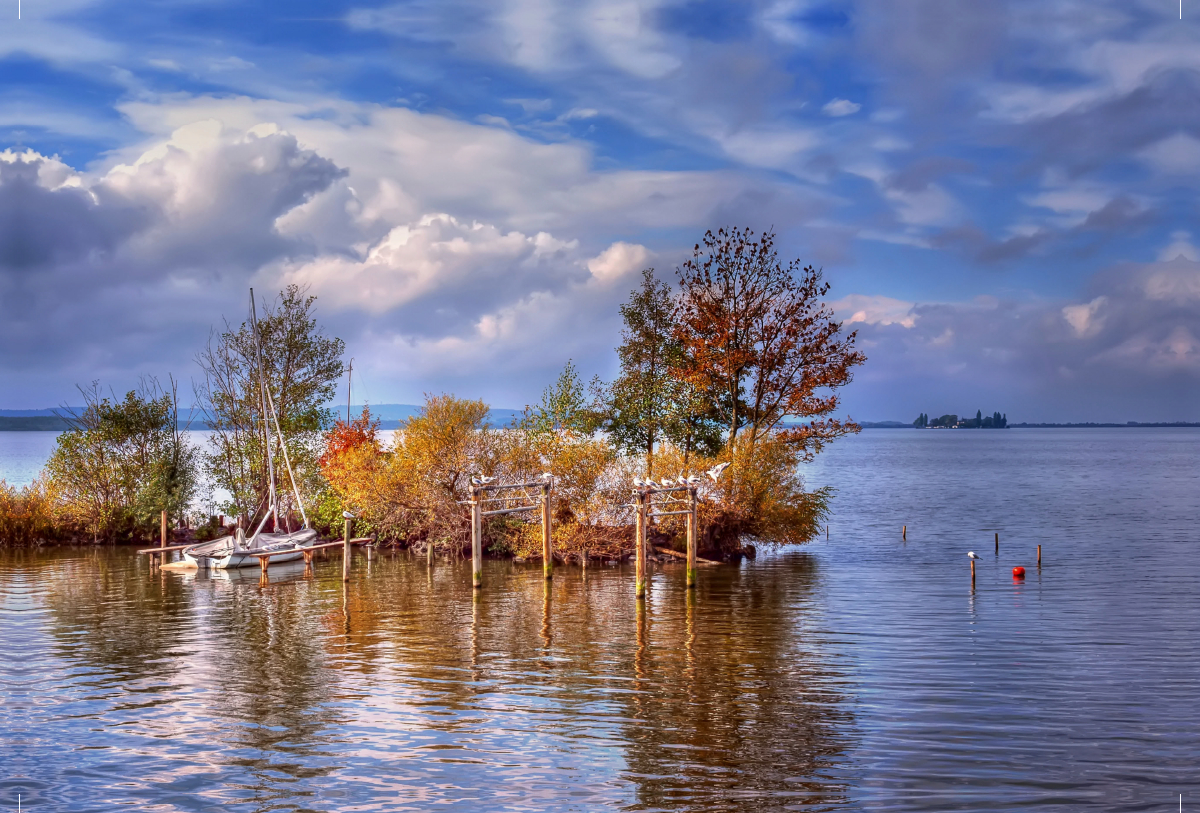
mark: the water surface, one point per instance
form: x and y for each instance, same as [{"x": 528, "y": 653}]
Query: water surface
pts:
[{"x": 858, "y": 673}]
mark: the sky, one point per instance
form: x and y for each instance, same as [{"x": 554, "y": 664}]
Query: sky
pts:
[{"x": 1001, "y": 194}]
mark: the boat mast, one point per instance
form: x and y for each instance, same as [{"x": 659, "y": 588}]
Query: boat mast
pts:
[{"x": 262, "y": 388}]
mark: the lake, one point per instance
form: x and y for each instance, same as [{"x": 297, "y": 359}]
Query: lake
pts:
[{"x": 862, "y": 672}]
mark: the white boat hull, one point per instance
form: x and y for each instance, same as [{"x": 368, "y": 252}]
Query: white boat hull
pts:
[{"x": 224, "y": 553}]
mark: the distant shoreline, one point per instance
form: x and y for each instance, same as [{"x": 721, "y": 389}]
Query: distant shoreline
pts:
[{"x": 1127, "y": 425}]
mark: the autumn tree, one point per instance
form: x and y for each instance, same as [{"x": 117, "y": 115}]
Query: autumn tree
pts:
[
  {"x": 301, "y": 368},
  {"x": 758, "y": 337}
]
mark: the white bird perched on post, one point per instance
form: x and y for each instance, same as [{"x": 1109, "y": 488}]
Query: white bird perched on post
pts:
[
  {"x": 972, "y": 555},
  {"x": 485, "y": 480},
  {"x": 692, "y": 480},
  {"x": 547, "y": 475},
  {"x": 348, "y": 515},
  {"x": 666, "y": 482},
  {"x": 716, "y": 470},
  {"x": 639, "y": 482},
  {"x": 650, "y": 483},
  {"x": 474, "y": 481}
]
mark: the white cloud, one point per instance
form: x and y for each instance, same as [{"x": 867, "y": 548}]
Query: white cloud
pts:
[
  {"x": 836, "y": 108},
  {"x": 1086, "y": 319},
  {"x": 618, "y": 260},
  {"x": 875, "y": 310}
]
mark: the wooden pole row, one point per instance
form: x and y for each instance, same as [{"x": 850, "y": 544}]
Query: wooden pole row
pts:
[{"x": 477, "y": 515}]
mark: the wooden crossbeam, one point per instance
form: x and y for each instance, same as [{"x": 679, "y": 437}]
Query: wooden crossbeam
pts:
[
  {"x": 511, "y": 510},
  {"x": 168, "y": 548}
]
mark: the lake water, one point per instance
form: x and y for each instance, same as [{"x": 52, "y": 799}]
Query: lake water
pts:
[{"x": 858, "y": 673}]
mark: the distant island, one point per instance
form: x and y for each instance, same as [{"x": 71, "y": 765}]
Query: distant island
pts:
[{"x": 980, "y": 421}]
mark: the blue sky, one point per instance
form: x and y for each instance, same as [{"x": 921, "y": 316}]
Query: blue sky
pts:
[{"x": 1002, "y": 193}]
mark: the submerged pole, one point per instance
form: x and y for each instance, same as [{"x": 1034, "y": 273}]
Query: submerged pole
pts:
[
  {"x": 476, "y": 539},
  {"x": 692, "y": 520},
  {"x": 640, "y": 545},
  {"x": 547, "y": 539}
]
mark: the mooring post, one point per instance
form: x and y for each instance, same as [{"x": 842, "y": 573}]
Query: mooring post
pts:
[
  {"x": 904, "y": 532},
  {"x": 163, "y": 538},
  {"x": 640, "y": 545},
  {"x": 346, "y": 552},
  {"x": 692, "y": 522},
  {"x": 1039, "y": 555},
  {"x": 547, "y": 543},
  {"x": 972, "y": 572},
  {"x": 997, "y": 541},
  {"x": 476, "y": 538}
]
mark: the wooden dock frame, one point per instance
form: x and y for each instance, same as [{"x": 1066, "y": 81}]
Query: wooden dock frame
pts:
[
  {"x": 542, "y": 503},
  {"x": 644, "y": 504},
  {"x": 264, "y": 559}
]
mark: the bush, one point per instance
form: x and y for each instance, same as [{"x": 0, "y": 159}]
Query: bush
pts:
[{"x": 31, "y": 515}]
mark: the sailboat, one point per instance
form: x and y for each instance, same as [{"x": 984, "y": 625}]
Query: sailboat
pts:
[{"x": 236, "y": 550}]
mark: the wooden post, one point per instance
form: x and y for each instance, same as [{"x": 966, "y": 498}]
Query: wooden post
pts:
[
  {"x": 692, "y": 521},
  {"x": 640, "y": 546},
  {"x": 904, "y": 532},
  {"x": 1039, "y": 555},
  {"x": 547, "y": 542},
  {"x": 163, "y": 542},
  {"x": 476, "y": 539},
  {"x": 346, "y": 553},
  {"x": 972, "y": 572},
  {"x": 826, "y": 531},
  {"x": 997, "y": 541}
]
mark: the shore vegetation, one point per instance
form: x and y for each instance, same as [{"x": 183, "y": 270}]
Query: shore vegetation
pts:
[{"x": 739, "y": 361}]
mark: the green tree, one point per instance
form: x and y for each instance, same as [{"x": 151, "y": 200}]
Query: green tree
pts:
[
  {"x": 301, "y": 367},
  {"x": 121, "y": 463}
]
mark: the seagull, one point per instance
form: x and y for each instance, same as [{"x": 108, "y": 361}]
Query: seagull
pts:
[
  {"x": 651, "y": 483},
  {"x": 716, "y": 470},
  {"x": 348, "y": 515},
  {"x": 666, "y": 482},
  {"x": 546, "y": 475},
  {"x": 485, "y": 480},
  {"x": 639, "y": 482},
  {"x": 474, "y": 481},
  {"x": 692, "y": 480},
  {"x": 972, "y": 555}
]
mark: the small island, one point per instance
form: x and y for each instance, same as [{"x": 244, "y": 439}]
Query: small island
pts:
[{"x": 980, "y": 421}]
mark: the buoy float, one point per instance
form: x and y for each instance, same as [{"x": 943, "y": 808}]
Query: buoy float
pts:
[{"x": 1018, "y": 572}]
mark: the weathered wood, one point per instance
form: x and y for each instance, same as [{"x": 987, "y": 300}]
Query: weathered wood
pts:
[
  {"x": 669, "y": 513},
  {"x": 678, "y": 555},
  {"x": 309, "y": 548},
  {"x": 519, "y": 510},
  {"x": 692, "y": 521},
  {"x": 167, "y": 549},
  {"x": 1039, "y": 555},
  {"x": 498, "y": 486},
  {"x": 547, "y": 540},
  {"x": 904, "y": 532},
  {"x": 346, "y": 554},
  {"x": 640, "y": 546},
  {"x": 997, "y": 541},
  {"x": 163, "y": 540},
  {"x": 476, "y": 540}
]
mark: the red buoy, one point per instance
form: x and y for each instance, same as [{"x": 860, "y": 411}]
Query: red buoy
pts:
[{"x": 1018, "y": 572}]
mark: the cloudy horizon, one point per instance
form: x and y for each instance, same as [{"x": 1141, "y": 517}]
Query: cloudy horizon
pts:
[{"x": 1000, "y": 194}]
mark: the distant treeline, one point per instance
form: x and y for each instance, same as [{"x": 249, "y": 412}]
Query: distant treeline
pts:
[
  {"x": 1126, "y": 425},
  {"x": 980, "y": 421}
]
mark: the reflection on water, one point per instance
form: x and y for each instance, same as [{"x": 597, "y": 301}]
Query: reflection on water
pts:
[
  {"x": 406, "y": 688},
  {"x": 863, "y": 673}
]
